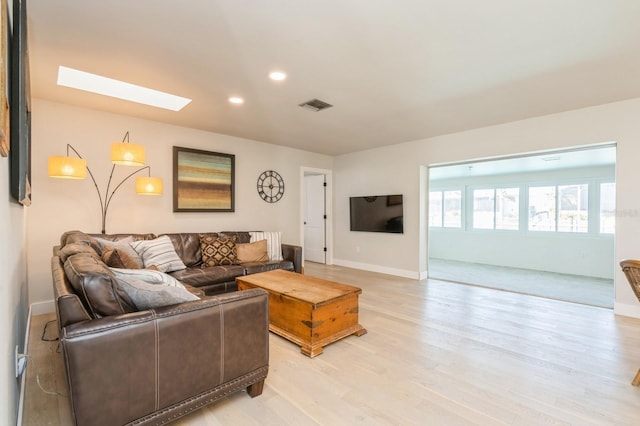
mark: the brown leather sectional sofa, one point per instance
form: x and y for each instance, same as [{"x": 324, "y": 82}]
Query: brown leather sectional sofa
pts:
[{"x": 143, "y": 367}]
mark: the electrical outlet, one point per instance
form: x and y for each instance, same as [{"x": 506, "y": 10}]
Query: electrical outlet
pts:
[{"x": 21, "y": 362}]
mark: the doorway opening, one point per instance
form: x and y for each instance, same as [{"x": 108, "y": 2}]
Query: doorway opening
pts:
[
  {"x": 316, "y": 221},
  {"x": 540, "y": 224}
]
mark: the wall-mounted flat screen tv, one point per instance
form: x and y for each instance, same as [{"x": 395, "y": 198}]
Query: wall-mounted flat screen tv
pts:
[{"x": 377, "y": 213}]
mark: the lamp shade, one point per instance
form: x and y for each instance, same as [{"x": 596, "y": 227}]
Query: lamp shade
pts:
[
  {"x": 67, "y": 167},
  {"x": 149, "y": 186},
  {"x": 127, "y": 154}
]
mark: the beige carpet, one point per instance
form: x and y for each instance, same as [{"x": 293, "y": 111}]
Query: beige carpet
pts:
[{"x": 570, "y": 288}]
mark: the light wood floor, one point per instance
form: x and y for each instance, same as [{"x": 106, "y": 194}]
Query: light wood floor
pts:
[{"x": 436, "y": 353}]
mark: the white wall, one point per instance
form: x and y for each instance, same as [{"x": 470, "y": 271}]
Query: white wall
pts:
[
  {"x": 13, "y": 293},
  {"x": 589, "y": 254},
  {"x": 401, "y": 169},
  {"x": 383, "y": 171},
  {"x": 59, "y": 205}
]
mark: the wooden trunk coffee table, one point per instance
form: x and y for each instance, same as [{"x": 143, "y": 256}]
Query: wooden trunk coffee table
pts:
[{"x": 311, "y": 312}]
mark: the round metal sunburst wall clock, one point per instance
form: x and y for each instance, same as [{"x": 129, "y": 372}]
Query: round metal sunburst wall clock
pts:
[{"x": 270, "y": 186}]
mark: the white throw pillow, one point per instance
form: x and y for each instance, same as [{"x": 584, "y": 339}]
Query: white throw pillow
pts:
[
  {"x": 149, "y": 276},
  {"x": 159, "y": 252},
  {"x": 274, "y": 244},
  {"x": 149, "y": 296}
]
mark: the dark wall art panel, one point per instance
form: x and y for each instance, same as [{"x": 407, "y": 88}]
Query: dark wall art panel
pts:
[{"x": 20, "y": 114}]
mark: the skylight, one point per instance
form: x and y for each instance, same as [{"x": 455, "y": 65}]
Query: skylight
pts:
[{"x": 94, "y": 83}]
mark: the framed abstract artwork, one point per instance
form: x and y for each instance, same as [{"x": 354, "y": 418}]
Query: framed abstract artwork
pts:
[
  {"x": 4, "y": 71},
  {"x": 203, "y": 181},
  {"x": 20, "y": 108}
]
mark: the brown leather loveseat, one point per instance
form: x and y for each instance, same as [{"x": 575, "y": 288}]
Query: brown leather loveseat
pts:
[{"x": 127, "y": 365}]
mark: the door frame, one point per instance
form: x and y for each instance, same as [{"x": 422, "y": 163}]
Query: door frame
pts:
[{"x": 328, "y": 178}]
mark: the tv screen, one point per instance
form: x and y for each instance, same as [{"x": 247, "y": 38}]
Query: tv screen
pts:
[{"x": 377, "y": 213}]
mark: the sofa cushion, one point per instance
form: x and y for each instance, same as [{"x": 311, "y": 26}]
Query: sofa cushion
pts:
[
  {"x": 274, "y": 243},
  {"x": 187, "y": 245},
  {"x": 218, "y": 251},
  {"x": 200, "y": 277},
  {"x": 242, "y": 237},
  {"x": 256, "y": 267},
  {"x": 75, "y": 236},
  {"x": 123, "y": 244},
  {"x": 149, "y": 296},
  {"x": 118, "y": 237},
  {"x": 94, "y": 283},
  {"x": 74, "y": 248},
  {"x": 159, "y": 252},
  {"x": 252, "y": 252}
]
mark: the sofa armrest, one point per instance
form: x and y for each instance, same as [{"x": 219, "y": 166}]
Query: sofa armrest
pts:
[
  {"x": 294, "y": 254},
  {"x": 69, "y": 308},
  {"x": 165, "y": 357}
]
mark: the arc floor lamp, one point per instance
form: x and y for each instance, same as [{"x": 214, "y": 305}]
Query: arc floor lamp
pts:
[{"x": 122, "y": 154}]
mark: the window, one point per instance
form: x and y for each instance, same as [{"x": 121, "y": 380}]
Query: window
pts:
[
  {"x": 548, "y": 208},
  {"x": 496, "y": 208},
  {"x": 607, "y": 208},
  {"x": 561, "y": 208},
  {"x": 483, "y": 208},
  {"x": 542, "y": 208},
  {"x": 508, "y": 208},
  {"x": 445, "y": 209},
  {"x": 452, "y": 209},
  {"x": 573, "y": 214}
]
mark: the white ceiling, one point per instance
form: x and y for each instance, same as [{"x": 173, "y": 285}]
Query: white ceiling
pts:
[
  {"x": 594, "y": 156},
  {"x": 395, "y": 71}
]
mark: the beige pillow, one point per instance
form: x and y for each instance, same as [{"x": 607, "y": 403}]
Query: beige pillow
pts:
[
  {"x": 118, "y": 258},
  {"x": 252, "y": 252},
  {"x": 274, "y": 246},
  {"x": 122, "y": 244}
]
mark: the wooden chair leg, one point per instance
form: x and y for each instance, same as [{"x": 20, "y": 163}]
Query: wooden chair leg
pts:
[
  {"x": 636, "y": 380},
  {"x": 255, "y": 389}
]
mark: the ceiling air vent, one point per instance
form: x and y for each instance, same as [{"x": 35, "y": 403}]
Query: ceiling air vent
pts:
[{"x": 315, "y": 105}]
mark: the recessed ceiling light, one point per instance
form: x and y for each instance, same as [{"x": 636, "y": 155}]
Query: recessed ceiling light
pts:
[
  {"x": 81, "y": 80},
  {"x": 277, "y": 76},
  {"x": 236, "y": 100}
]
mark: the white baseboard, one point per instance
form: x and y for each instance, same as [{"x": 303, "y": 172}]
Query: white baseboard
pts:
[
  {"x": 414, "y": 275},
  {"x": 626, "y": 310},
  {"x": 23, "y": 377},
  {"x": 40, "y": 308}
]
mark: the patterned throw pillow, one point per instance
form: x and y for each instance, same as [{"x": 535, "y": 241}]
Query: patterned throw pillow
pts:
[
  {"x": 218, "y": 251},
  {"x": 159, "y": 252}
]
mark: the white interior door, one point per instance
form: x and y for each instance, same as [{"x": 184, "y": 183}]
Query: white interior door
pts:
[{"x": 315, "y": 222}]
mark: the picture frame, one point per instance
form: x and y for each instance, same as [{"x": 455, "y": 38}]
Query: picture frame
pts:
[
  {"x": 20, "y": 108},
  {"x": 203, "y": 181},
  {"x": 4, "y": 72}
]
